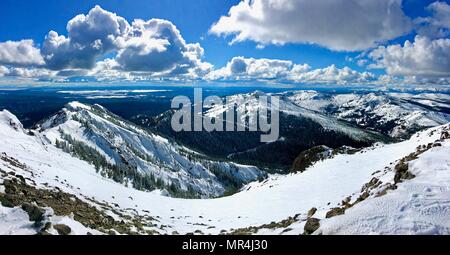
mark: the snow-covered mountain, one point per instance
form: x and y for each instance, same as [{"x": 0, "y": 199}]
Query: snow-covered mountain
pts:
[
  {"x": 299, "y": 129},
  {"x": 249, "y": 106},
  {"x": 399, "y": 188},
  {"x": 311, "y": 118},
  {"x": 396, "y": 114},
  {"x": 135, "y": 157}
]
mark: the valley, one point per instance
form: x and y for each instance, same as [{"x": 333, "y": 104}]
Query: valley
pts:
[{"x": 131, "y": 180}]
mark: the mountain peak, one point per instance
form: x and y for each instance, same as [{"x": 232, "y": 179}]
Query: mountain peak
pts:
[
  {"x": 75, "y": 105},
  {"x": 9, "y": 119}
]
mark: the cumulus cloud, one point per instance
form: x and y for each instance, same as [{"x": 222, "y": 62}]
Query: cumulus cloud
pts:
[
  {"x": 156, "y": 46},
  {"x": 153, "y": 48},
  {"x": 438, "y": 24},
  {"x": 3, "y": 71},
  {"x": 89, "y": 37},
  {"x": 25, "y": 72},
  {"x": 341, "y": 25},
  {"x": 109, "y": 70},
  {"x": 423, "y": 57},
  {"x": 30, "y": 72},
  {"x": 21, "y": 53},
  {"x": 240, "y": 68},
  {"x": 103, "y": 46},
  {"x": 332, "y": 75}
]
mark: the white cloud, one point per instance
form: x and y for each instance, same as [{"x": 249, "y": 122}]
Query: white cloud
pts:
[
  {"x": 89, "y": 37},
  {"x": 423, "y": 57},
  {"x": 30, "y": 72},
  {"x": 438, "y": 24},
  {"x": 3, "y": 71},
  {"x": 25, "y": 72},
  {"x": 108, "y": 70},
  {"x": 240, "y": 68},
  {"x": 145, "y": 49},
  {"x": 338, "y": 25},
  {"x": 332, "y": 75},
  {"x": 103, "y": 46},
  {"x": 21, "y": 53},
  {"x": 157, "y": 47}
]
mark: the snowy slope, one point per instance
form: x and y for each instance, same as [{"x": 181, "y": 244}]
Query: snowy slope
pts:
[
  {"x": 396, "y": 114},
  {"x": 323, "y": 185},
  {"x": 15, "y": 221},
  {"x": 137, "y": 151},
  {"x": 418, "y": 206}
]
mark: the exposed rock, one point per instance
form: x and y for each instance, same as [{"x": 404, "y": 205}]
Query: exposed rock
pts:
[
  {"x": 311, "y": 212},
  {"x": 385, "y": 189},
  {"x": 309, "y": 157},
  {"x": 273, "y": 225},
  {"x": 312, "y": 224},
  {"x": 32, "y": 200},
  {"x": 6, "y": 201},
  {"x": 62, "y": 229},
  {"x": 363, "y": 196},
  {"x": 345, "y": 150},
  {"x": 334, "y": 212},
  {"x": 374, "y": 182},
  {"x": 401, "y": 172},
  {"x": 35, "y": 213}
]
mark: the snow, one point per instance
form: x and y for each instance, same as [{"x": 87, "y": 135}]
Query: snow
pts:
[
  {"x": 76, "y": 227},
  {"x": 323, "y": 185},
  {"x": 378, "y": 110},
  {"x": 418, "y": 206},
  {"x": 14, "y": 221},
  {"x": 10, "y": 119},
  {"x": 114, "y": 138},
  {"x": 302, "y": 104},
  {"x": 76, "y": 105}
]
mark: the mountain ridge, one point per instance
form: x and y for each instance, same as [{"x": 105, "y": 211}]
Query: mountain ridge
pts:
[{"x": 130, "y": 154}]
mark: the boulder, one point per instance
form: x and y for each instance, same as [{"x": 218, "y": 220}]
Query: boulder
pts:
[
  {"x": 62, "y": 229},
  {"x": 312, "y": 224},
  {"x": 334, "y": 212},
  {"x": 6, "y": 201},
  {"x": 311, "y": 212},
  {"x": 35, "y": 213}
]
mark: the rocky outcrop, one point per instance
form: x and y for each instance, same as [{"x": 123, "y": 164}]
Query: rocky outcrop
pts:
[
  {"x": 312, "y": 224},
  {"x": 33, "y": 201},
  {"x": 334, "y": 212},
  {"x": 308, "y": 157}
]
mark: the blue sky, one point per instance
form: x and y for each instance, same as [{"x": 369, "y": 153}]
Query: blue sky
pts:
[{"x": 34, "y": 19}]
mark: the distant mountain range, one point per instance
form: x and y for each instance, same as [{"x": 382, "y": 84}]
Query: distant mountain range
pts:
[
  {"x": 85, "y": 170},
  {"x": 311, "y": 118}
]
